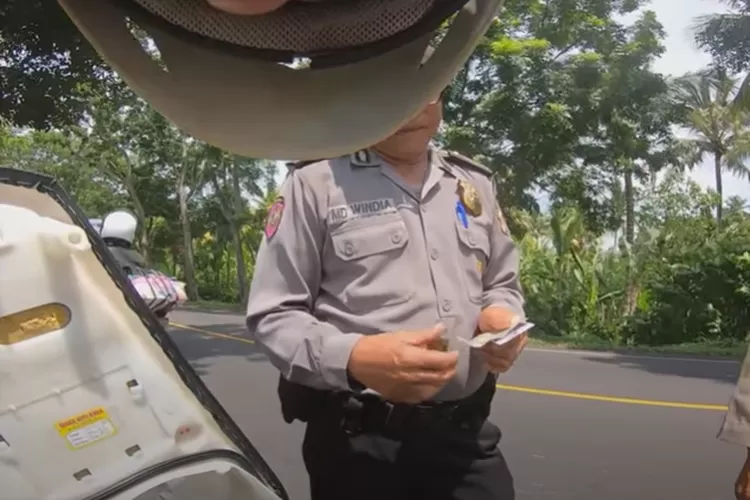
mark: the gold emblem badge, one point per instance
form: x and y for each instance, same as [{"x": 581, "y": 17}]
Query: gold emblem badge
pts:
[{"x": 469, "y": 198}]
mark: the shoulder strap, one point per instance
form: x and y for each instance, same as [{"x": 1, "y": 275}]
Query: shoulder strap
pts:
[
  {"x": 455, "y": 158},
  {"x": 296, "y": 165}
]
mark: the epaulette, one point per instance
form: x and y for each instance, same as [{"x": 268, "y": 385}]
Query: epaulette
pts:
[
  {"x": 467, "y": 163},
  {"x": 296, "y": 165},
  {"x": 292, "y": 166}
]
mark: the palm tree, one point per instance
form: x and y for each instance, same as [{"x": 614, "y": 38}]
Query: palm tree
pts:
[
  {"x": 719, "y": 124},
  {"x": 726, "y": 37}
]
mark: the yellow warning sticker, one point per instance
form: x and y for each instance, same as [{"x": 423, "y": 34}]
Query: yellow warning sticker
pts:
[{"x": 86, "y": 428}]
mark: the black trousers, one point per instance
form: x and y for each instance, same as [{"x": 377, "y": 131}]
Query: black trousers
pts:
[{"x": 455, "y": 465}]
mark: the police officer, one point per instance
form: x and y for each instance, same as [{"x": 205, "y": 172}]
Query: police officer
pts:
[
  {"x": 372, "y": 266},
  {"x": 118, "y": 232},
  {"x": 736, "y": 427}
]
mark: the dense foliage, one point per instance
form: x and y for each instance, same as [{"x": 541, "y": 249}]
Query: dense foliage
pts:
[
  {"x": 691, "y": 278},
  {"x": 560, "y": 100}
]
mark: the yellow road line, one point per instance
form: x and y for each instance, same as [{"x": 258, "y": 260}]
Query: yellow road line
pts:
[
  {"x": 517, "y": 388},
  {"x": 209, "y": 333},
  {"x": 612, "y": 399}
]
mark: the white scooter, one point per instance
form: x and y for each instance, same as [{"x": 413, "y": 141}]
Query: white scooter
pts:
[
  {"x": 160, "y": 292},
  {"x": 96, "y": 400}
]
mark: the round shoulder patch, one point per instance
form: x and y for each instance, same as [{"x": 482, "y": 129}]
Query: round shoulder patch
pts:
[{"x": 274, "y": 217}]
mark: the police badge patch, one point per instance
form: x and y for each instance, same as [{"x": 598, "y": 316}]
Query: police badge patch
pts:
[
  {"x": 274, "y": 217},
  {"x": 469, "y": 198}
]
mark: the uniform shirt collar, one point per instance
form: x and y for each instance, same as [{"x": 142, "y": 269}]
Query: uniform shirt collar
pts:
[{"x": 369, "y": 158}]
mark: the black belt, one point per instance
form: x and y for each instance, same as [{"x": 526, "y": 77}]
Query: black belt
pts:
[{"x": 368, "y": 413}]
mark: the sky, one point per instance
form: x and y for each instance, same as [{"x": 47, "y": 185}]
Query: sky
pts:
[{"x": 681, "y": 56}]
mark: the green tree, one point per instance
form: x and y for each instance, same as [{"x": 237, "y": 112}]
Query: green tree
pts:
[
  {"x": 121, "y": 137},
  {"x": 541, "y": 98},
  {"x": 236, "y": 182},
  {"x": 44, "y": 62},
  {"x": 181, "y": 160},
  {"x": 726, "y": 37},
  {"x": 55, "y": 153},
  {"x": 718, "y": 123}
]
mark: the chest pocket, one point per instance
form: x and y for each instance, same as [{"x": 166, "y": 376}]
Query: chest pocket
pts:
[
  {"x": 370, "y": 267},
  {"x": 474, "y": 246}
]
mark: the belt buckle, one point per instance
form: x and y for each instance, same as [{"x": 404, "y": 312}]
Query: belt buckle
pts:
[
  {"x": 451, "y": 410},
  {"x": 351, "y": 426},
  {"x": 423, "y": 415},
  {"x": 447, "y": 412},
  {"x": 351, "y": 416},
  {"x": 365, "y": 413},
  {"x": 391, "y": 415},
  {"x": 441, "y": 415}
]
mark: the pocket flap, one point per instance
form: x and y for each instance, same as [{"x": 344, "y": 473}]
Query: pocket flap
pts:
[
  {"x": 361, "y": 242},
  {"x": 474, "y": 238}
]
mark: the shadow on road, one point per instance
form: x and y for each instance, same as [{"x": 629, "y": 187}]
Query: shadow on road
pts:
[
  {"x": 202, "y": 350},
  {"x": 721, "y": 372}
]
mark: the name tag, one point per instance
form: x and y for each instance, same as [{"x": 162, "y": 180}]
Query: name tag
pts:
[{"x": 360, "y": 210}]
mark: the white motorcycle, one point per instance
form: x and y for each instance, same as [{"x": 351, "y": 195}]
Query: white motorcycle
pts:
[{"x": 160, "y": 292}]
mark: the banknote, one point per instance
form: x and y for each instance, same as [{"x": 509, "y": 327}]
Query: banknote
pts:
[{"x": 499, "y": 338}]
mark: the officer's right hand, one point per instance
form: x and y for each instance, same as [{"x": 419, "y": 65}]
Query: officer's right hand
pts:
[{"x": 401, "y": 366}]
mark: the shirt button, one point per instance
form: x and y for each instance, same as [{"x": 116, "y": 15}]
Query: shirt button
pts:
[
  {"x": 348, "y": 249},
  {"x": 396, "y": 237},
  {"x": 447, "y": 305},
  {"x": 434, "y": 254},
  {"x": 471, "y": 240}
]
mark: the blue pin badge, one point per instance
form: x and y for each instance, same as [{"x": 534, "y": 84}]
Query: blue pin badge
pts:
[{"x": 463, "y": 218}]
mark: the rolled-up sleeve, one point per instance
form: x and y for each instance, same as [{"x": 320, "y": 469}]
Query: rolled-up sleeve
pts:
[
  {"x": 284, "y": 288},
  {"x": 501, "y": 281},
  {"x": 736, "y": 426}
]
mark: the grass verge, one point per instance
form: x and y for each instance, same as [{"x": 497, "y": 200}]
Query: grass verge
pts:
[
  {"x": 213, "y": 306},
  {"x": 700, "y": 349}
]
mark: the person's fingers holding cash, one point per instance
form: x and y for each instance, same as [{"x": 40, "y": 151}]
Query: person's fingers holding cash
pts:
[
  {"x": 500, "y": 358},
  {"x": 403, "y": 366}
]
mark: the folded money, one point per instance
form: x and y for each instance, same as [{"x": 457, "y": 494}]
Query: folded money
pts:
[{"x": 499, "y": 338}]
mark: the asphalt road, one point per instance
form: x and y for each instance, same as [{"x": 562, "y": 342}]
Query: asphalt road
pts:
[{"x": 577, "y": 426}]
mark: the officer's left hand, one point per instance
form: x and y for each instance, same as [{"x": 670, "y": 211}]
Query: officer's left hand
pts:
[{"x": 499, "y": 359}]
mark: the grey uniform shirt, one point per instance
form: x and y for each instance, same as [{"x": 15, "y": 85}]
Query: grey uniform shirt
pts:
[
  {"x": 355, "y": 252},
  {"x": 736, "y": 426}
]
